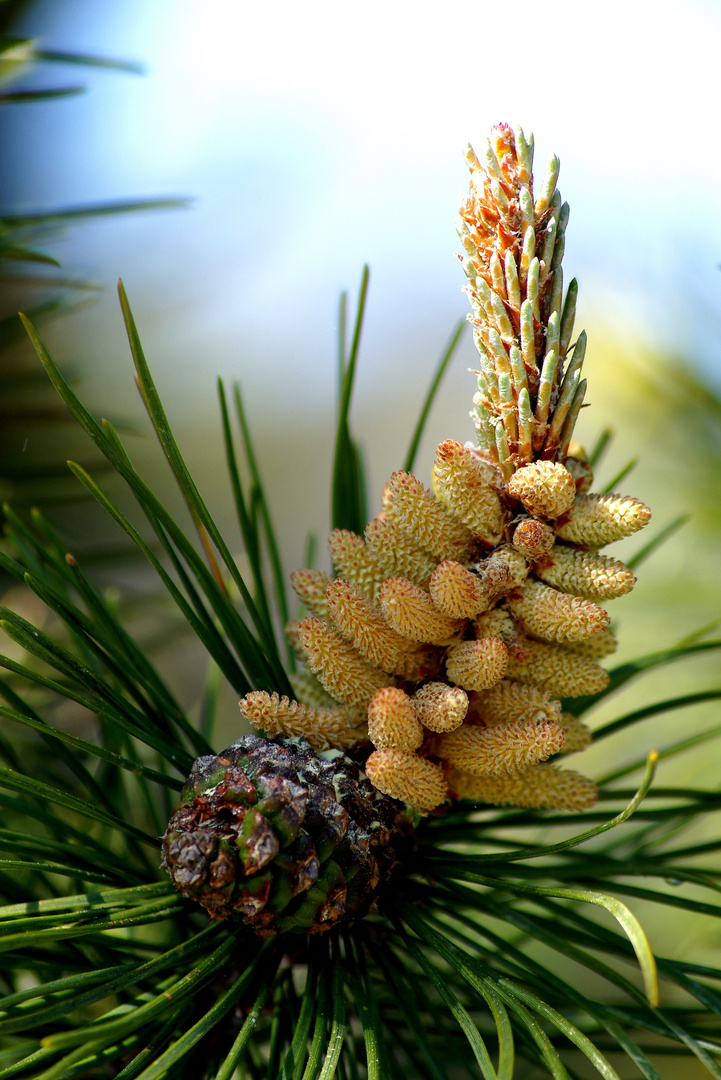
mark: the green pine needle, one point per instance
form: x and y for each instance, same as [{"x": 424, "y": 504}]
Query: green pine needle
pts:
[{"x": 467, "y": 966}]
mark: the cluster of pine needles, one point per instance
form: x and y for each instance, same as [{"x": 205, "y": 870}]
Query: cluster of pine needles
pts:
[{"x": 490, "y": 956}]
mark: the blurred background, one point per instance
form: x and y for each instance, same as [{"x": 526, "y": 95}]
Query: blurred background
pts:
[{"x": 313, "y": 138}]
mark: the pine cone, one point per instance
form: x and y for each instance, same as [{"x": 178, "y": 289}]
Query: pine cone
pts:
[{"x": 282, "y": 838}]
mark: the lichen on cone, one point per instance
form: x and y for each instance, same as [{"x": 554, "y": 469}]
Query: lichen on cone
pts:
[{"x": 449, "y": 631}]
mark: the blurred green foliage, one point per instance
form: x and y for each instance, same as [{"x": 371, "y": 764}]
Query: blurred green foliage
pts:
[{"x": 35, "y": 437}]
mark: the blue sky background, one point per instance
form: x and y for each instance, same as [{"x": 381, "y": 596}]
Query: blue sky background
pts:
[{"x": 316, "y": 137}]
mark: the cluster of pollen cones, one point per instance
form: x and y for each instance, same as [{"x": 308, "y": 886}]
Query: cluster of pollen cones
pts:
[{"x": 454, "y": 627}]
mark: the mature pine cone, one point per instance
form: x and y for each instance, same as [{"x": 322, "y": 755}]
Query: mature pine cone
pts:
[{"x": 282, "y": 838}]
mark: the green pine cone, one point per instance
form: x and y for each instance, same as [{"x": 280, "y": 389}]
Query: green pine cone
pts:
[{"x": 282, "y": 838}]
